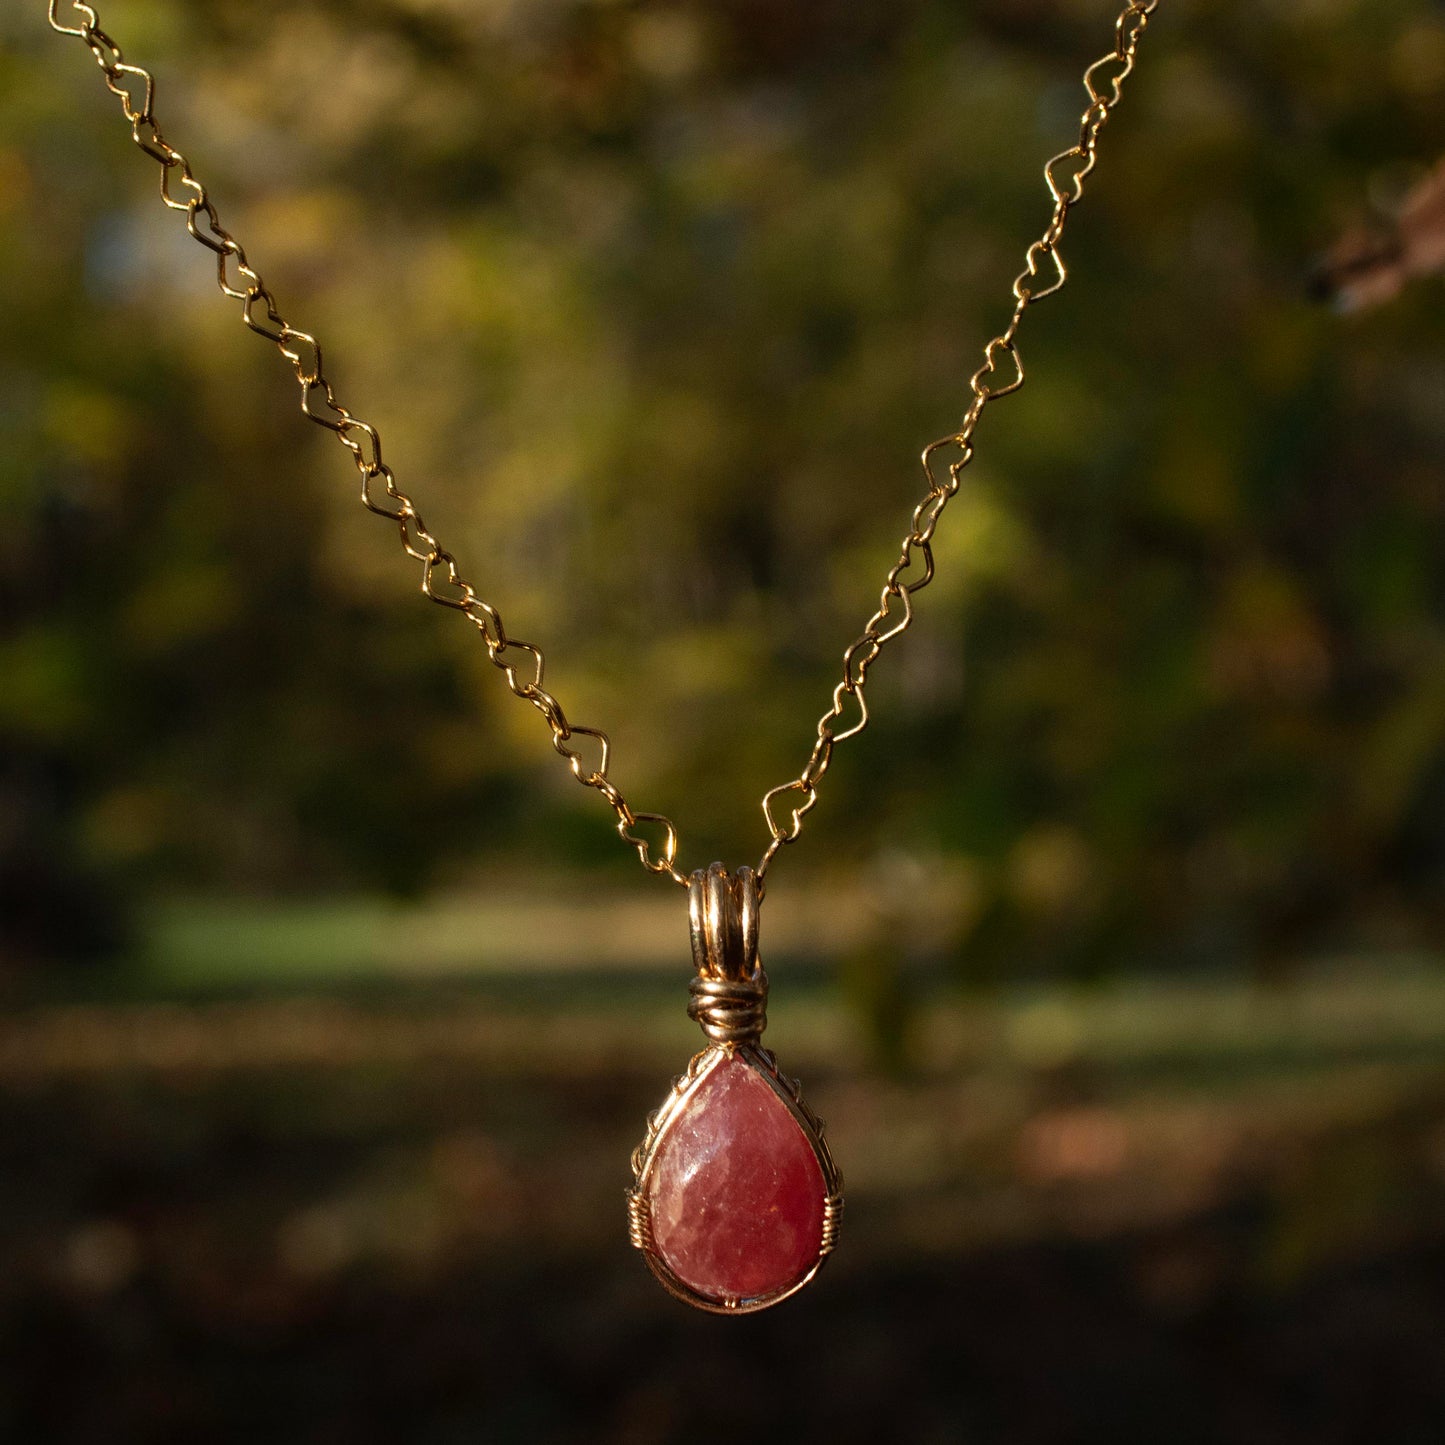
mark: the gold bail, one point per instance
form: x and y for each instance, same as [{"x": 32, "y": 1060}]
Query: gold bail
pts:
[{"x": 729, "y": 995}]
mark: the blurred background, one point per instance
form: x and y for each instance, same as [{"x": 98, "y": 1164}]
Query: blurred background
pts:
[{"x": 332, "y": 1007}]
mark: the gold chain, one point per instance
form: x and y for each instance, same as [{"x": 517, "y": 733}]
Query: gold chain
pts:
[
  {"x": 1043, "y": 274},
  {"x": 522, "y": 663}
]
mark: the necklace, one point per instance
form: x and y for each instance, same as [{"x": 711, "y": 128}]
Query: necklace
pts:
[{"x": 736, "y": 1200}]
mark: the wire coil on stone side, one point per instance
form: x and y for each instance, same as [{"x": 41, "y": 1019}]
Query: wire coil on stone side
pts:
[
  {"x": 639, "y": 1221},
  {"x": 729, "y": 995},
  {"x": 832, "y": 1222}
]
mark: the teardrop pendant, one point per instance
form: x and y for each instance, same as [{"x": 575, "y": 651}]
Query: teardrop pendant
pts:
[{"x": 736, "y": 1201}]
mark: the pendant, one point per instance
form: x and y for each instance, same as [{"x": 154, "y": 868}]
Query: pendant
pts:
[{"x": 736, "y": 1201}]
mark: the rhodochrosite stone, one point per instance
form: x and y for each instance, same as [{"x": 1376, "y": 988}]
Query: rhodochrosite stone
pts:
[{"x": 735, "y": 1190}]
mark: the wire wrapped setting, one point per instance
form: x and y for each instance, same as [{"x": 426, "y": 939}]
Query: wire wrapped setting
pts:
[{"x": 729, "y": 995}]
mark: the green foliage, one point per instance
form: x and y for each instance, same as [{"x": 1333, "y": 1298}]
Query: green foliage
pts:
[{"x": 654, "y": 304}]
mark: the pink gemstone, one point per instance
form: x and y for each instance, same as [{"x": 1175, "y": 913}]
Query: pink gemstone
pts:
[{"x": 735, "y": 1190}]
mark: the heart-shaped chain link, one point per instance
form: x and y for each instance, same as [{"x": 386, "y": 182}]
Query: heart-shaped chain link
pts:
[
  {"x": 443, "y": 583},
  {"x": 1022, "y": 290},
  {"x": 61, "y": 13},
  {"x": 576, "y": 758},
  {"x": 981, "y": 383},
  {"x": 272, "y": 332},
  {"x": 665, "y": 860}
]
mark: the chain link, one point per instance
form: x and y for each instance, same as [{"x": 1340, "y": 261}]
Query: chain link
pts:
[{"x": 588, "y": 751}]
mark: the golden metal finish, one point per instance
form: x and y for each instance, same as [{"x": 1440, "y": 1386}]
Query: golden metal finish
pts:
[
  {"x": 639, "y": 1223},
  {"x": 588, "y": 751},
  {"x": 729, "y": 995}
]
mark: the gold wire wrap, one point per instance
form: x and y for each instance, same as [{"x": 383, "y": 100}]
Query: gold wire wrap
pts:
[
  {"x": 729, "y": 1012},
  {"x": 639, "y": 1214},
  {"x": 729, "y": 995},
  {"x": 832, "y": 1223},
  {"x": 588, "y": 751},
  {"x": 639, "y": 1221}
]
